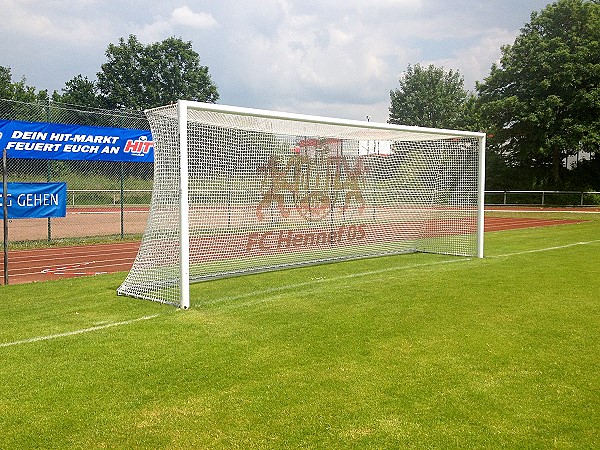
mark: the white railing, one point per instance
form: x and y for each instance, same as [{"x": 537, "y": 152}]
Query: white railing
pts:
[
  {"x": 543, "y": 197},
  {"x": 117, "y": 195}
]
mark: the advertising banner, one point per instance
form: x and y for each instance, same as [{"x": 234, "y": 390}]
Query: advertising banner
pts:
[
  {"x": 35, "y": 200},
  {"x": 41, "y": 140}
]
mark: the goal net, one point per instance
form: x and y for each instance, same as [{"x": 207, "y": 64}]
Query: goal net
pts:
[{"x": 238, "y": 191}]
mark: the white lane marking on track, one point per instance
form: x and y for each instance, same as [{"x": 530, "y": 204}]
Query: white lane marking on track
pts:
[
  {"x": 64, "y": 270},
  {"x": 76, "y": 332},
  {"x": 547, "y": 211}
]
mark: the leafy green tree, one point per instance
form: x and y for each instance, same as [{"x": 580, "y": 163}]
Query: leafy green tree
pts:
[
  {"x": 18, "y": 90},
  {"x": 22, "y": 102},
  {"x": 82, "y": 93},
  {"x": 138, "y": 76},
  {"x": 542, "y": 101},
  {"x": 5, "y": 82},
  {"x": 79, "y": 91},
  {"x": 432, "y": 97}
]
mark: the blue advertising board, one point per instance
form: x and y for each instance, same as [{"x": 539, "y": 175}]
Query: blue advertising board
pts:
[
  {"x": 42, "y": 140},
  {"x": 35, "y": 200}
]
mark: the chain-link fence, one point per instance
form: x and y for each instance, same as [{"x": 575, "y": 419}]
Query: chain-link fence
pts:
[{"x": 106, "y": 200}]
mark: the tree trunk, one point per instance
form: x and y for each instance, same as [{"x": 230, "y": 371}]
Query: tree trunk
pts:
[{"x": 556, "y": 164}]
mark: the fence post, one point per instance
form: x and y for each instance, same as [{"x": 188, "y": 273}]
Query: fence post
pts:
[
  {"x": 49, "y": 172},
  {"x": 49, "y": 177},
  {"x": 5, "y": 213},
  {"x": 122, "y": 203}
]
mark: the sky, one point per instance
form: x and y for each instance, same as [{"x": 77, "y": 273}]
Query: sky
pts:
[{"x": 335, "y": 58}]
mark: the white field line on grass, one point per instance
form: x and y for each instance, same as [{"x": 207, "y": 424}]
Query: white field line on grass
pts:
[
  {"x": 278, "y": 289},
  {"x": 547, "y": 249},
  {"x": 81, "y": 331},
  {"x": 320, "y": 280},
  {"x": 283, "y": 288}
]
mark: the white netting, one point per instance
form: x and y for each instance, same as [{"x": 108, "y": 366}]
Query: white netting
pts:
[{"x": 268, "y": 193}]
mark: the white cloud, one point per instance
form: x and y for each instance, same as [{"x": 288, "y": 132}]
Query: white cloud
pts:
[
  {"x": 62, "y": 26},
  {"x": 162, "y": 28},
  {"x": 185, "y": 16},
  {"x": 475, "y": 62},
  {"x": 318, "y": 54},
  {"x": 314, "y": 57},
  {"x": 334, "y": 57}
]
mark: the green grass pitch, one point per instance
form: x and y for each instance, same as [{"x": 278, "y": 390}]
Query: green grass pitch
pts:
[{"x": 415, "y": 351}]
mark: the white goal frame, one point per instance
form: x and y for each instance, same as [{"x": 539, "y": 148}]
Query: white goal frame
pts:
[{"x": 138, "y": 282}]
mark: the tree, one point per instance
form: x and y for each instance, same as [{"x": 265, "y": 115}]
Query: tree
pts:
[
  {"x": 79, "y": 91},
  {"x": 5, "y": 82},
  {"x": 18, "y": 90},
  {"x": 542, "y": 101},
  {"x": 20, "y": 96},
  {"x": 139, "y": 77},
  {"x": 84, "y": 94},
  {"x": 433, "y": 98}
]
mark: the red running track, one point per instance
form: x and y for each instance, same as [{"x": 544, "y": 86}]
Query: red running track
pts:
[
  {"x": 53, "y": 263},
  {"x": 25, "y": 266}
]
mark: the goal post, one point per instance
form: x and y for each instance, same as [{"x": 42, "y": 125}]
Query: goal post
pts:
[
  {"x": 239, "y": 190},
  {"x": 184, "y": 213}
]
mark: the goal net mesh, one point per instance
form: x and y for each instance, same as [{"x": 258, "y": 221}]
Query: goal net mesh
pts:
[{"x": 267, "y": 193}]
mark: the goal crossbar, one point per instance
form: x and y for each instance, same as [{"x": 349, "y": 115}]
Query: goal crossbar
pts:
[{"x": 241, "y": 190}]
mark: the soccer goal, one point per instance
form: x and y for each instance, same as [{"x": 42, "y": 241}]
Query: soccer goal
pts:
[{"x": 238, "y": 191}]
